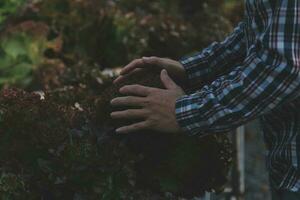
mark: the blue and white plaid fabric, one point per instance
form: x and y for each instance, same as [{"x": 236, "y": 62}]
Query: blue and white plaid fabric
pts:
[{"x": 261, "y": 61}]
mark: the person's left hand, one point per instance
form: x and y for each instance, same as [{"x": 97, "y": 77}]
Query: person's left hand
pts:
[{"x": 157, "y": 110}]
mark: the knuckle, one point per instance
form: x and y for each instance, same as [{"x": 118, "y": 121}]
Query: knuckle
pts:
[
  {"x": 138, "y": 125},
  {"x": 115, "y": 101},
  {"x": 137, "y": 61},
  {"x": 147, "y": 124},
  {"x": 124, "y": 88},
  {"x": 125, "y": 99},
  {"x": 146, "y": 102},
  {"x": 116, "y": 114},
  {"x": 154, "y": 90},
  {"x": 150, "y": 90},
  {"x": 146, "y": 112},
  {"x": 129, "y": 112},
  {"x": 136, "y": 87},
  {"x": 132, "y": 63},
  {"x": 156, "y": 60},
  {"x": 150, "y": 122},
  {"x": 129, "y": 88},
  {"x": 153, "y": 95}
]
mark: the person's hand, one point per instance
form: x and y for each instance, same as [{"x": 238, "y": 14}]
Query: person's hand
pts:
[
  {"x": 174, "y": 68},
  {"x": 157, "y": 110}
]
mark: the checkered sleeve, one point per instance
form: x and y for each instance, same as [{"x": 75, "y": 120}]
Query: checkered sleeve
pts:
[
  {"x": 267, "y": 78},
  {"x": 218, "y": 57}
]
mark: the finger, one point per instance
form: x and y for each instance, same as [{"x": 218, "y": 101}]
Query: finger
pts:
[
  {"x": 129, "y": 114},
  {"x": 142, "y": 63},
  {"x": 133, "y": 128},
  {"x": 118, "y": 79},
  {"x": 153, "y": 61},
  {"x": 166, "y": 80},
  {"x": 137, "y": 90},
  {"x": 122, "y": 78},
  {"x": 127, "y": 101},
  {"x": 137, "y": 63}
]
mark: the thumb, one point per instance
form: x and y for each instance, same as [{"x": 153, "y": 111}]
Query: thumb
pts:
[{"x": 166, "y": 80}]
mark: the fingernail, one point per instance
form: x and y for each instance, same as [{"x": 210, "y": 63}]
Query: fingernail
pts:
[
  {"x": 119, "y": 130},
  {"x": 121, "y": 89}
]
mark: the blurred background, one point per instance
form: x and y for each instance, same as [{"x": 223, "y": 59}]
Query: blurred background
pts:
[{"x": 50, "y": 44}]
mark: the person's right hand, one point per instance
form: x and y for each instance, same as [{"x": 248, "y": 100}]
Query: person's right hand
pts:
[{"x": 173, "y": 67}]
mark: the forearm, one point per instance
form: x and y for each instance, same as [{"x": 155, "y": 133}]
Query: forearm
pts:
[
  {"x": 251, "y": 90},
  {"x": 268, "y": 78},
  {"x": 217, "y": 59}
]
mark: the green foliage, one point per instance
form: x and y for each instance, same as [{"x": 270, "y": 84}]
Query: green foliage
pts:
[
  {"x": 22, "y": 49},
  {"x": 11, "y": 185},
  {"x": 107, "y": 33},
  {"x": 9, "y": 7},
  {"x": 234, "y": 11}
]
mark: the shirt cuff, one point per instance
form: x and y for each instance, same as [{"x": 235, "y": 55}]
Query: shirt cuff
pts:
[
  {"x": 188, "y": 116},
  {"x": 197, "y": 68}
]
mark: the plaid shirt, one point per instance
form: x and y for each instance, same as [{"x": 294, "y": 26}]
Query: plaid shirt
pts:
[{"x": 260, "y": 67}]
